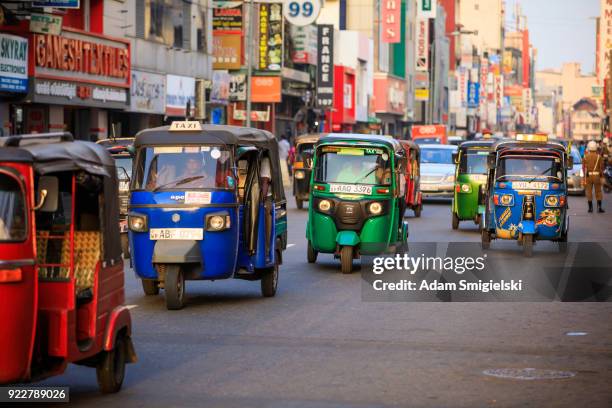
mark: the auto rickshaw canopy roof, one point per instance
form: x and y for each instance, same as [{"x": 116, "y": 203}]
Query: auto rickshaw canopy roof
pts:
[
  {"x": 309, "y": 138},
  {"x": 507, "y": 145},
  {"x": 388, "y": 141},
  {"x": 476, "y": 144}
]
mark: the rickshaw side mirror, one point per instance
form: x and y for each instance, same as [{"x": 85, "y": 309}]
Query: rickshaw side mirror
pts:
[
  {"x": 131, "y": 150},
  {"x": 456, "y": 157},
  {"x": 48, "y": 191}
]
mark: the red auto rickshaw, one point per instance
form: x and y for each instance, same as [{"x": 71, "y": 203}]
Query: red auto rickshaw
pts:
[
  {"x": 61, "y": 271},
  {"x": 414, "y": 199}
]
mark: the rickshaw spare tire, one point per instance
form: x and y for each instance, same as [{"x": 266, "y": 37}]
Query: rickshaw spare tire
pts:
[
  {"x": 110, "y": 370},
  {"x": 455, "y": 221},
  {"x": 299, "y": 203},
  {"x": 528, "y": 245},
  {"x": 150, "y": 287},
  {"x": 311, "y": 254},
  {"x": 346, "y": 259},
  {"x": 269, "y": 281},
  {"x": 174, "y": 287}
]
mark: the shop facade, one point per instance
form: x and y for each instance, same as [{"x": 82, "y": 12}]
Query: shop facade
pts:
[{"x": 390, "y": 103}]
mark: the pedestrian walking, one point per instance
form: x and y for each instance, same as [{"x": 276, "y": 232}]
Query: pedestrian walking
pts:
[
  {"x": 283, "y": 152},
  {"x": 592, "y": 166}
]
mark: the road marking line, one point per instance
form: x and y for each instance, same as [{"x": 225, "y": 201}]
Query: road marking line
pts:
[{"x": 290, "y": 245}]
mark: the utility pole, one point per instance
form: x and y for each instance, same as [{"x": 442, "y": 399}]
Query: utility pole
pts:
[{"x": 249, "y": 61}]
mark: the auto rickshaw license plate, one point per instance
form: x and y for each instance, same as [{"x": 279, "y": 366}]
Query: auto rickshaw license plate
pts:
[
  {"x": 176, "y": 234},
  {"x": 533, "y": 185},
  {"x": 350, "y": 189}
]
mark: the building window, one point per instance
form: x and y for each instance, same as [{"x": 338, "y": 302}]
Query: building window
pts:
[
  {"x": 156, "y": 18},
  {"x": 167, "y": 22},
  {"x": 201, "y": 30}
]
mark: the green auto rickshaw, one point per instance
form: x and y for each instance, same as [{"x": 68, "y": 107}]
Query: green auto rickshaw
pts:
[
  {"x": 302, "y": 167},
  {"x": 356, "y": 198},
  {"x": 470, "y": 181}
]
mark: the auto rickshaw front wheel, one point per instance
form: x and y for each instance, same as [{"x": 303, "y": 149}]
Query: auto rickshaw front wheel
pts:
[
  {"x": 174, "y": 287},
  {"x": 346, "y": 259},
  {"x": 269, "y": 281},
  {"x": 110, "y": 370},
  {"x": 455, "y": 221},
  {"x": 311, "y": 254},
  {"x": 150, "y": 287},
  {"x": 528, "y": 245},
  {"x": 485, "y": 239},
  {"x": 299, "y": 203}
]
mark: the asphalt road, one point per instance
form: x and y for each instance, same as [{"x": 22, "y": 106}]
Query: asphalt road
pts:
[{"x": 318, "y": 344}]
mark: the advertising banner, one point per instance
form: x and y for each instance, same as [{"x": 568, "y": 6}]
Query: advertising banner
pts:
[
  {"x": 270, "y": 56},
  {"x": 473, "y": 94},
  {"x": 266, "y": 89},
  {"x": 304, "y": 44},
  {"x": 147, "y": 92},
  {"x": 220, "y": 92},
  {"x": 13, "y": 63},
  {"x": 325, "y": 66},
  {"x": 391, "y": 20},
  {"x": 227, "y": 17},
  {"x": 179, "y": 91},
  {"x": 422, "y": 45},
  {"x": 227, "y": 51},
  {"x": 237, "y": 88}
]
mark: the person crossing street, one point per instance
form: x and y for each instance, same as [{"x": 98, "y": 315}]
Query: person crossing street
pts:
[{"x": 592, "y": 166}]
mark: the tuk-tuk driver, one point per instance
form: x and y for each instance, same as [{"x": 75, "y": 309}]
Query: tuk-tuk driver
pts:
[{"x": 194, "y": 172}]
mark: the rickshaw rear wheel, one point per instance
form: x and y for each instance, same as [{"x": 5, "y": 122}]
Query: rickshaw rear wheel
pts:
[
  {"x": 174, "y": 287},
  {"x": 455, "y": 221},
  {"x": 269, "y": 281},
  {"x": 528, "y": 245},
  {"x": 417, "y": 210},
  {"x": 299, "y": 203},
  {"x": 110, "y": 370},
  {"x": 311, "y": 254},
  {"x": 485, "y": 239},
  {"x": 346, "y": 259},
  {"x": 150, "y": 287}
]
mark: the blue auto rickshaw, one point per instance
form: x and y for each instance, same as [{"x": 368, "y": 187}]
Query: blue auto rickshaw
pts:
[
  {"x": 206, "y": 203},
  {"x": 526, "y": 197}
]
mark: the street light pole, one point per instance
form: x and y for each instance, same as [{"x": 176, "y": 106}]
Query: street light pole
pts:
[{"x": 249, "y": 57}]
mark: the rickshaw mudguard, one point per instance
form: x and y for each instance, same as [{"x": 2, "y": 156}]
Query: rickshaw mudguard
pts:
[
  {"x": 120, "y": 319},
  {"x": 347, "y": 238},
  {"x": 177, "y": 252},
  {"x": 527, "y": 227}
]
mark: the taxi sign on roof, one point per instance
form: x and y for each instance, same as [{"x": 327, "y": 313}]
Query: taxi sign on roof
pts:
[
  {"x": 185, "y": 126},
  {"x": 532, "y": 138}
]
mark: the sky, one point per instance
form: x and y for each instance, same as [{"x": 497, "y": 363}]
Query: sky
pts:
[{"x": 561, "y": 30}]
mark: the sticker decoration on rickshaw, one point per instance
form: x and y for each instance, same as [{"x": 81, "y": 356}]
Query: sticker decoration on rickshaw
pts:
[
  {"x": 505, "y": 216},
  {"x": 198, "y": 197},
  {"x": 549, "y": 218},
  {"x": 350, "y": 152}
]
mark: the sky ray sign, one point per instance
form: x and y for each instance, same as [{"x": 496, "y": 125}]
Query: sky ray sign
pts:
[
  {"x": 325, "y": 66},
  {"x": 13, "y": 63}
]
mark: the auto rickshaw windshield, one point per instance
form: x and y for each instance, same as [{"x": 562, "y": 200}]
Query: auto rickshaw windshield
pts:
[
  {"x": 12, "y": 210},
  {"x": 532, "y": 167},
  {"x": 473, "y": 162},
  {"x": 183, "y": 167},
  {"x": 353, "y": 165}
]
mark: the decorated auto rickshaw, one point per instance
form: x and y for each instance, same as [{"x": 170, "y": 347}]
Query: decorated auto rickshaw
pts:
[
  {"x": 356, "y": 198},
  {"x": 412, "y": 169},
  {"x": 206, "y": 203},
  {"x": 302, "y": 167},
  {"x": 527, "y": 192},
  {"x": 61, "y": 271},
  {"x": 470, "y": 181},
  {"x": 121, "y": 149}
]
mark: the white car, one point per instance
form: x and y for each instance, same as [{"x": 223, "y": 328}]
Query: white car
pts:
[
  {"x": 437, "y": 170},
  {"x": 575, "y": 174}
]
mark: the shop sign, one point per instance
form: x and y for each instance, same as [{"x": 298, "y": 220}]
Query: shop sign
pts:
[
  {"x": 200, "y": 100},
  {"x": 301, "y": 12},
  {"x": 484, "y": 72},
  {"x": 463, "y": 86},
  {"x": 270, "y": 37},
  {"x": 605, "y": 41},
  {"x": 237, "y": 87},
  {"x": 422, "y": 44},
  {"x": 295, "y": 75},
  {"x": 227, "y": 17},
  {"x": 220, "y": 91},
  {"x": 499, "y": 91},
  {"x": 80, "y": 94},
  {"x": 325, "y": 66},
  {"x": 226, "y": 51},
  {"x": 389, "y": 95},
  {"x": 391, "y": 20},
  {"x": 473, "y": 94},
  {"x": 256, "y": 116},
  {"x": 179, "y": 91},
  {"x": 426, "y": 8},
  {"x": 266, "y": 89},
  {"x": 13, "y": 63},
  {"x": 91, "y": 59},
  {"x": 304, "y": 44},
  {"x": 57, "y": 3},
  {"x": 45, "y": 23},
  {"x": 421, "y": 80},
  {"x": 147, "y": 92},
  {"x": 421, "y": 94}
]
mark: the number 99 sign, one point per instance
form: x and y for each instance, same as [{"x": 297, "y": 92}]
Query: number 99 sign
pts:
[{"x": 301, "y": 12}]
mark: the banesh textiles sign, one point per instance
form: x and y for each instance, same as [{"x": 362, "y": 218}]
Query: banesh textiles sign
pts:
[
  {"x": 93, "y": 69},
  {"x": 13, "y": 63}
]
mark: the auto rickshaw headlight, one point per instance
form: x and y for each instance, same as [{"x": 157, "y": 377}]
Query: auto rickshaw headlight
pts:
[
  {"x": 375, "y": 208},
  {"x": 217, "y": 222},
  {"x": 464, "y": 188},
  {"x": 300, "y": 175},
  {"x": 325, "y": 205},
  {"x": 138, "y": 222}
]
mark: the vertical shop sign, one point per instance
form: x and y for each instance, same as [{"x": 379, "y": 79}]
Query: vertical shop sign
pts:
[
  {"x": 325, "y": 66},
  {"x": 270, "y": 37}
]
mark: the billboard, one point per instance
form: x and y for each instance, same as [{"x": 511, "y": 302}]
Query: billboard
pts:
[
  {"x": 391, "y": 20},
  {"x": 13, "y": 63}
]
